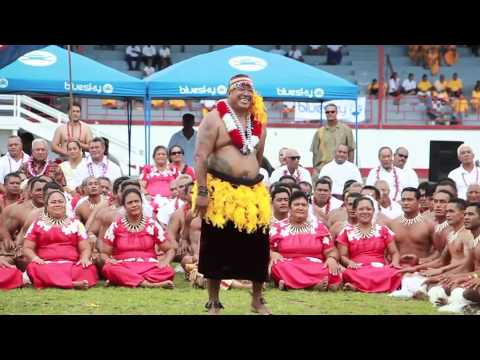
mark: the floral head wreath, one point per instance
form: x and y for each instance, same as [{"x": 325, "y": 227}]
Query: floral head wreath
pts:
[{"x": 258, "y": 107}]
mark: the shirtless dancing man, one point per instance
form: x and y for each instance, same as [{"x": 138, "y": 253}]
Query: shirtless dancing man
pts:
[{"x": 232, "y": 200}]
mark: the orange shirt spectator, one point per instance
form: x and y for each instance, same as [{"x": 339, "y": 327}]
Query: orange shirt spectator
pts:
[
  {"x": 177, "y": 104},
  {"x": 157, "y": 104},
  {"x": 476, "y": 98},
  {"x": 460, "y": 105},
  {"x": 424, "y": 86}
]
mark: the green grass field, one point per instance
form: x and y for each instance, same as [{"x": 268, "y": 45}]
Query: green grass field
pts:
[{"x": 184, "y": 300}]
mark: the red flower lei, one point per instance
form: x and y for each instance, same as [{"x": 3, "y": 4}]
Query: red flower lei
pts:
[{"x": 234, "y": 133}]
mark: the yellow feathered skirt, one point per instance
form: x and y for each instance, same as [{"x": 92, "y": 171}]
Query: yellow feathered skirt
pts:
[{"x": 247, "y": 207}]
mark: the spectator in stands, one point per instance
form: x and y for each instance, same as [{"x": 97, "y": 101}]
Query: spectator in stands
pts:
[
  {"x": 278, "y": 50},
  {"x": 441, "y": 84},
  {"x": 149, "y": 54},
  {"x": 148, "y": 69},
  {"x": 328, "y": 137},
  {"x": 175, "y": 156},
  {"x": 164, "y": 55},
  {"x": 292, "y": 168},
  {"x": 340, "y": 170},
  {"x": 455, "y": 86},
  {"x": 460, "y": 109},
  {"x": 295, "y": 53},
  {"x": 467, "y": 173},
  {"x": 450, "y": 55},
  {"x": 208, "y": 105},
  {"x": 424, "y": 87},
  {"x": 97, "y": 163},
  {"x": 73, "y": 130},
  {"x": 409, "y": 86},
  {"x": 177, "y": 104},
  {"x": 399, "y": 160},
  {"x": 443, "y": 111},
  {"x": 133, "y": 54},
  {"x": 186, "y": 138},
  {"x": 13, "y": 160},
  {"x": 315, "y": 50},
  {"x": 394, "y": 87},
  {"x": 475, "y": 101},
  {"x": 372, "y": 89},
  {"x": 334, "y": 54}
]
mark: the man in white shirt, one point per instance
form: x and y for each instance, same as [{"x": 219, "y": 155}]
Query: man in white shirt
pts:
[
  {"x": 467, "y": 173},
  {"x": 149, "y": 53},
  {"x": 387, "y": 171},
  {"x": 409, "y": 86},
  {"x": 13, "y": 159},
  {"x": 98, "y": 164},
  {"x": 186, "y": 138},
  {"x": 341, "y": 170},
  {"x": 292, "y": 168},
  {"x": 399, "y": 160},
  {"x": 389, "y": 208},
  {"x": 132, "y": 53},
  {"x": 148, "y": 70},
  {"x": 394, "y": 85},
  {"x": 278, "y": 50},
  {"x": 164, "y": 56},
  {"x": 295, "y": 53},
  {"x": 323, "y": 202}
]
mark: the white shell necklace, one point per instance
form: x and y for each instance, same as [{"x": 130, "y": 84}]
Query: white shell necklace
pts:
[
  {"x": 304, "y": 228},
  {"x": 409, "y": 222},
  {"x": 246, "y": 140},
  {"x": 359, "y": 233}
]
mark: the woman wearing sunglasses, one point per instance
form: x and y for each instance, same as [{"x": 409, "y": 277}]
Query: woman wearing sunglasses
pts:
[{"x": 176, "y": 157}]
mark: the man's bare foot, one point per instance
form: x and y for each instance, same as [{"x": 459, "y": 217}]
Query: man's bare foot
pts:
[
  {"x": 214, "y": 307},
  {"x": 258, "y": 307},
  {"x": 419, "y": 295},
  {"x": 80, "y": 285},
  {"x": 349, "y": 287},
  {"x": 441, "y": 302},
  {"x": 321, "y": 286},
  {"x": 282, "y": 286},
  {"x": 107, "y": 283}
]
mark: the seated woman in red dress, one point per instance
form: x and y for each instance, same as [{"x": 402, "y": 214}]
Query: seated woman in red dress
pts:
[
  {"x": 58, "y": 249},
  {"x": 175, "y": 156},
  {"x": 303, "y": 255},
  {"x": 10, "y": 276},
  {"x": 156, "y": 178},
  {"x": 362, "y": 249},
  {"x": 129, "y": 248}
]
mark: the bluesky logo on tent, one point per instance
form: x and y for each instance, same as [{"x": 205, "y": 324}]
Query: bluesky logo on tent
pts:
[
  {"x": 247, "y": 63},
  {"x": 89, "y": 88},
  {"x": 108, "y": 88},
  {"x": 38, "y": 58},
  {"x": 3, "y": 83},
  {"x": 221, "y": 89},
  {"x": 317, "y": 93}
]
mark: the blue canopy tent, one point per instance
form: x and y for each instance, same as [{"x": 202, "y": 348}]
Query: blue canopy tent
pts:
[
  {"x": 47, "y": 71},
  {"x": 276, "y": 77}
]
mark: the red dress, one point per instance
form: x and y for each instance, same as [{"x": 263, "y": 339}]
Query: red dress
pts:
[
  {"x": 374, "y": 274},
  {"x": 58, "y": 246},
  {"x": 10, "y": 278},
  {"x": 186, "y": 170},
  {"x": 303, "y": 263},
  {"x": 135, "y": 252},
  {"x": 158, "y": 182}
]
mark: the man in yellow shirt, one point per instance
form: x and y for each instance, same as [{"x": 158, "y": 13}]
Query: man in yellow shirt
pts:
[
  {"x": 424, "y": 86},
  {"x": 475, "y": 101},
  {"x": 455, "y": 86}
]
